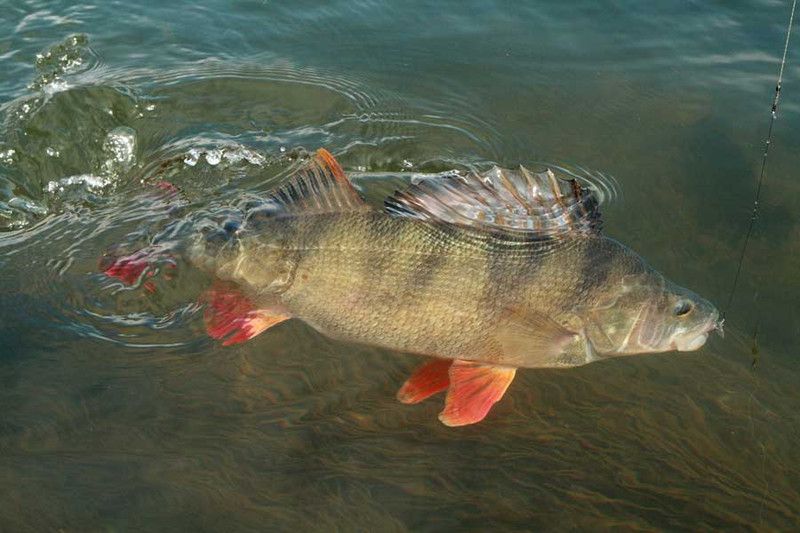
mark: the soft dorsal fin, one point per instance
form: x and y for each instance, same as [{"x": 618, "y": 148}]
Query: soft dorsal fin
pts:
[
  {"x": 536, "y": 204},
  {"x": 321, "y": 186}
]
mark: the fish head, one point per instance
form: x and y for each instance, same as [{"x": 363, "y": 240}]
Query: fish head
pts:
[{"x": 646, "y": 313}]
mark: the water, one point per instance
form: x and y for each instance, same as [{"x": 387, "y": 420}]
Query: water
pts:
[{"x": 117, "y": 413}]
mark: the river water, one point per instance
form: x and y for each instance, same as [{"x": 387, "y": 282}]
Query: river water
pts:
[{"x": 118, "y": 413}]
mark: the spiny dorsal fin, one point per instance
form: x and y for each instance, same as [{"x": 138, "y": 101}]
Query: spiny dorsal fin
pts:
[
  {"x": 321, "y": 186},
  {"x": 537, "y": 204}
]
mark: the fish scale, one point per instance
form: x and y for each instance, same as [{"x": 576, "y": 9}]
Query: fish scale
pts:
[{"x": 357, "y": 280}]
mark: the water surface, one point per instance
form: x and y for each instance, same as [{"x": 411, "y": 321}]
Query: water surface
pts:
[{"x": 117, "y": 412}]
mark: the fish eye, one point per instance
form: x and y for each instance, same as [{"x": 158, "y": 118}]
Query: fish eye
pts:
[{"x": 683, "y": 308}]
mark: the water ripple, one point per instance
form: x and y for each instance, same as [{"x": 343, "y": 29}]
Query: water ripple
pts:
[{"x": 144, "y": 116}]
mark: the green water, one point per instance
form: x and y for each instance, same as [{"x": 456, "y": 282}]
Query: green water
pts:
[{"x": 118, "y": 413}]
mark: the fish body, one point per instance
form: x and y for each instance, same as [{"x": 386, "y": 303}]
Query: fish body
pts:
[
  {"x": 485, "y": 274},
  {"x": 427, "y": 288}
]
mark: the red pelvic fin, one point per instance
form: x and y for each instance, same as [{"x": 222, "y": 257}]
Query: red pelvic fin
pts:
[
  {"x": 474, "y": 389},
  {"x": 229, "y": 312},
  {"x": 426, "y": 381}
]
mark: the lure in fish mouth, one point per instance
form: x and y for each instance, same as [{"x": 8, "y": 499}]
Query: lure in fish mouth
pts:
[{"x": 483, "y": 273}]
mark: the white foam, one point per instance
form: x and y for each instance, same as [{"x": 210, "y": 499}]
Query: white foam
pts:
[
  {"x": 120, "y": 145},
  {"x": 90, "y": 182}
]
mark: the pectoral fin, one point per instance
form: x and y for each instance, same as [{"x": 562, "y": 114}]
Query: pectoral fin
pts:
[
  {"x": 426, "y": 381},
  {"x": 474, "y": 389},
  {"x": 229, "y": 312},
  {"x": 530, "y": 339}
]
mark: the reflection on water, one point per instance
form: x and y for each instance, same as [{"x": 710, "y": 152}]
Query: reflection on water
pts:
[{"x": 118, "y": 413}]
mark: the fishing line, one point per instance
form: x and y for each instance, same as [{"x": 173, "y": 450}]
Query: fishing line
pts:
[
  {"x": 757, "y": 200},
  {"x": 753, "y": 218}
]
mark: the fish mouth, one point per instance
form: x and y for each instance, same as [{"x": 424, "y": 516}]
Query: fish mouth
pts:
[
  {"x": 689, "y": 344},
  {"x": 693, "y": 344}
]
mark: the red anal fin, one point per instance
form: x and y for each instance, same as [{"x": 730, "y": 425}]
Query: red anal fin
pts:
[
  {"x": 474, "y": 389},
  {"x": 229, "y": 312},
  {"x": 426, "y": 381}
]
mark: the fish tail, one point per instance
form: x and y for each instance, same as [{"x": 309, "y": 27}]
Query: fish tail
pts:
[{"x": 138, "y": 267}]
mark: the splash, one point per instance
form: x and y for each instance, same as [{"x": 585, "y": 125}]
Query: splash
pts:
[
  {"x": 71, "y": 56},
  {"x": 86, "y": 182},
  {"x": 120, "y": 148}
]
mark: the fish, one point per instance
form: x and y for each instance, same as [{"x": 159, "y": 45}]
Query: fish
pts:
[{"x": 482, "y": 273}]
